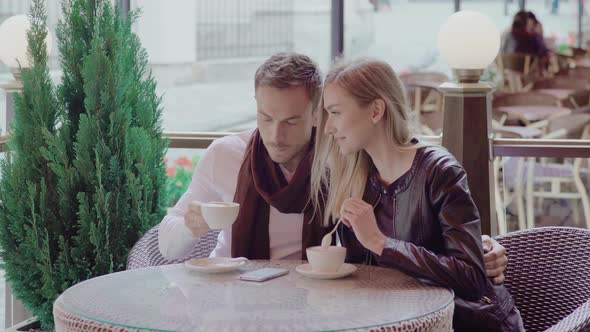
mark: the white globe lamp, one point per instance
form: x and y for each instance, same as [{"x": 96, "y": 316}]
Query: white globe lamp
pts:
[
  {"x": 468, "y": 42},
  {"x": 13, "y": 38}
]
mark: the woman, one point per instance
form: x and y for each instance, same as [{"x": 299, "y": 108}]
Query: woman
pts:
[
  {"x": 406, "y": 204},
  {"x": 527, "y": 34}
]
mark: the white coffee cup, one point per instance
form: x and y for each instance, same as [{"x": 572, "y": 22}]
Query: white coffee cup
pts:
[
  {"x": 326, "y": 259},
  {"x": 220, "y": 215}
]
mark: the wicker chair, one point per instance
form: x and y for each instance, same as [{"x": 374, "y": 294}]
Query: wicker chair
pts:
[
  {"x": 548, "y": 275},
  {"x": 146, "y": 253},
  {"x": 519, "y": 71}
]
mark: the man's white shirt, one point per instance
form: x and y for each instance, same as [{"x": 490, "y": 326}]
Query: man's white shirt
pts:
[{"x": 215, "y": 180}]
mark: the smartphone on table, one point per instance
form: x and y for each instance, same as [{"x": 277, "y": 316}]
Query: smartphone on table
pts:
[{"x": 264, "y": 274}]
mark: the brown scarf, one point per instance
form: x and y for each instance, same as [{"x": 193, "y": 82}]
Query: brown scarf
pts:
[{"x": 261, "y": 183}]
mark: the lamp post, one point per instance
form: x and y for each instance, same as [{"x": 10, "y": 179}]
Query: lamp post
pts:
[
  {"x": 469, "y": 41},
  {"x": 13, "y": 38}
]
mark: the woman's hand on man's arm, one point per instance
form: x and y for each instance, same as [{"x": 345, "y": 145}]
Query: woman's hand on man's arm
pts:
[{"x": 495, "y": 259}]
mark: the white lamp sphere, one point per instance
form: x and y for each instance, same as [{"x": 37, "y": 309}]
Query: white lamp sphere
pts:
[
  {"x": 468, "y": 40},
  {"x": 13, "y": 38}
]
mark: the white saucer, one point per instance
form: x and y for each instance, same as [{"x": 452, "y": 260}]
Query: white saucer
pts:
[
  {"x": 343, "y": 271},
  {"x": 215, "y": 265}
]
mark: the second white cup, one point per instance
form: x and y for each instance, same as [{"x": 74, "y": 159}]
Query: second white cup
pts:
[{"x": 326, "y": 259}]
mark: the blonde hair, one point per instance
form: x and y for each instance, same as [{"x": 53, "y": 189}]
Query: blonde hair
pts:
[{"x": 366, "y": 80}]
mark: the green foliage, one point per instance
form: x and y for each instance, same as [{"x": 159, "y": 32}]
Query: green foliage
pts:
[{"x": 84, "y": 175}]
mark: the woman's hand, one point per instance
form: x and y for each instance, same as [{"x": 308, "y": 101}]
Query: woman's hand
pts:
[
  {"x": 359, "y": 215},
  {"x": 494, "y": 256}
]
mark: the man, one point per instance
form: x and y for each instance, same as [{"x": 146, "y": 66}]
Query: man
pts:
[{"x": 267, "y": 171}]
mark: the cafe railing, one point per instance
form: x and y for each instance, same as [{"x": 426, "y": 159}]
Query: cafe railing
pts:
[{"x": 501, "y": 147}]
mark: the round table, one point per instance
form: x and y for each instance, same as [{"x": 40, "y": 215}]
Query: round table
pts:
[
  {"x": 173, "y": 298},
  {"x": 532, "y": 113},
  {"x": 560, "y": 94}
]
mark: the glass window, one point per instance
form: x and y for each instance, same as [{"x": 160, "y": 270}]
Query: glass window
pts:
[
  {"x": 402, "y": 33},
  {"x": 560, "y": 25},
  {"x": 204, "y": 53}
]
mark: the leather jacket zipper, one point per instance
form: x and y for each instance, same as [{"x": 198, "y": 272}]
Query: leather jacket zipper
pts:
[
  {"x": 369, "y": 254},
  {"x": 393, "y": 214}
]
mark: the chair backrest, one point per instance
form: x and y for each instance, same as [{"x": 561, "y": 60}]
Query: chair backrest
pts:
[
  {"x": 564, "y": 64},
  {"x": 578, "y": 101},
  {"x": 428, "y": 103},
  {"x": 146, "y": 253},
  {"x": 524, "y": 99},
  {"x": 573, "y": 124},
  {"x": 417, "y": 79},
  {"x": 519, "y": 62},
  {"x": 548, "y": 273},
  {"x": 519, "y": 70},
  {"x": 579, "y": 52}
]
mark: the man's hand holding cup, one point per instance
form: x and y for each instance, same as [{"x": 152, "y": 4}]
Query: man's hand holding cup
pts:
[{"x": 194, "y": 221}]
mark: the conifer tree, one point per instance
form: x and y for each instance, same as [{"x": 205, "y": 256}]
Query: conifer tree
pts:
[{"x": 83, "y": 177}]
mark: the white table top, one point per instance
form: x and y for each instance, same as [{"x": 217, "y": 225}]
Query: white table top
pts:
[{"x": 172, "y": 298}]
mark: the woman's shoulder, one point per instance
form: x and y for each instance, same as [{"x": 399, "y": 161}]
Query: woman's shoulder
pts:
[
  {"x": 440, "y": 168},
  {"x": 437, "y": 157}
]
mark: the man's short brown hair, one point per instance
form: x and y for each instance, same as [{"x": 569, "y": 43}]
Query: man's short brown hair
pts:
[{"x": 288, "y": 69}]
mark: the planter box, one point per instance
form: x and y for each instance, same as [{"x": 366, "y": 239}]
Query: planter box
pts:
[{"x": 31, "y": 324}]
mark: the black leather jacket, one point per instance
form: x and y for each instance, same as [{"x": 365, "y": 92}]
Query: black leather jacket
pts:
[{"x": 434, "y": 234}]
